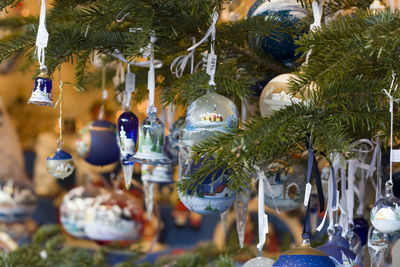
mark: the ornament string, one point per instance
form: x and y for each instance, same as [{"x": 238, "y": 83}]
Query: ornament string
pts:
[
  {"x": 61, "y": 85},
  {"x": 130, "y": 86},
  {"x": 317, "y": 13},
  {"x": 389, "y": 184},
  {"x": 212, "y": 58},
  {"x": 262, "y": 216},
  {"x": 376, "y": 163},
  {"x": 42, "y": 37},
  {"x": 151, "y": 82},
  {"x": 145, "y": 64},
  {"x": 104, "y": 92}
]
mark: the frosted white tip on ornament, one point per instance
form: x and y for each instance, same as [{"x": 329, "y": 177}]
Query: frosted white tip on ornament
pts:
[{"x": 260, "y": 261}]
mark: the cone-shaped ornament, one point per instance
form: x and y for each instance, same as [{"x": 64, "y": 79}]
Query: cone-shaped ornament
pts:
[
  {"x": 224, "y": 221},
  {"x": 241, "y": 205},
  {"x": 128, "y": 172}
]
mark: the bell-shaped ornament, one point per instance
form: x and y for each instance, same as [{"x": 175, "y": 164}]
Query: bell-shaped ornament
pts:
[
  {"x": 162, "y": 174},
  {"x": 41, "y": 94},
  {"x": 60, "y": 164},
  {"x": 385, "y": 214},
  {"x": 151, "y": 141}
]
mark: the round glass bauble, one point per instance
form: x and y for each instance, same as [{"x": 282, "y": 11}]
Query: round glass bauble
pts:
[
  {"x": 212, "y": 196},
  {"x": 97, "y": 143},
  {"x": 60, "y": 164},
  {"x": 73, "y": 210},
  {"x": 304, "y": 256},
  {"x": 340, "y": 256},
  {"x": 259, "y": 262},
  {"x": 282, "y": 47},
  {"x": 287, "y": 186},
  {"x": 385, "y": 214},
  {"x": 17, "y": 199},
  {"x": 115, "y": 217},
  {"x": 127, "y": 133},
  {"x": 276, "y": 95}
]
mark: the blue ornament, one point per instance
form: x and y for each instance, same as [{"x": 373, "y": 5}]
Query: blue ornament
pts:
[
  {"x": 60, "y": 164},
  {"x": 341, "y": 256},
  {"x": 127, "y": 133},
  {"x": 97, "y": 143},
  {"x": 41, "y": 93},
  {"x": 304, "y": 256},
  {"x": 283, "y": 48},
  {"x": 361, "y": 228}
]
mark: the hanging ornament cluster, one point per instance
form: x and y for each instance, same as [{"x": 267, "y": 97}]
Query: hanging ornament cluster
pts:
[
  {"x": 206, "y": 116},
  {"x": 281, "y": 48}
]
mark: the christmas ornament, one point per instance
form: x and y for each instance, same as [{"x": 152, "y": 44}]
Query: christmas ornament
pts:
[
  {"x": 127, "y": 135},
  {"x": 286, "y": 189},
  {"x": 377, "y": 6},
  {"x": 151, "y": 135},
  {"x": 340, "y": 256},
  {"x": 73, "y": 210},
  {"x": 304, "y": 256},
  {"x": 385, "y": 214},
  {"x": 97, "y": 143},
  {"x": 241, "y": 207},
  {"x": 17, "y": 199},
  {"x": 361, "y": 229},
  {"x": 60, "y": 164},
  {"x": 377, "y": 244},
  {"x": 148, "y": 190},
  {"x": 276, "y": 95},
  {"x": 210, "y": 197},
  {"x": 259, "y": 261},
  {"x": 281, "y": 48},
  {"x": 151, "y": 140},
  {"x": 114, "y": 217},
  {"x": 41, "y": 94}
]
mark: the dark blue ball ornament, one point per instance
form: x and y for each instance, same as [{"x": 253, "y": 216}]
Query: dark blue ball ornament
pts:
[
  {"x": 361, "y": 228},
  {"x": 304, "y": 256},
  {"x": 281, "y": 48},
  {"x": 97, "y": 143}
]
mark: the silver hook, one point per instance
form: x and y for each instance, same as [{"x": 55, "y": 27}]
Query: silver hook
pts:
[{"x": 117, "y": 19}]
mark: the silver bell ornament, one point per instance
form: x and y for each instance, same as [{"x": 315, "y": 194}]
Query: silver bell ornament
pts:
[{"x": 151, "y": 140}]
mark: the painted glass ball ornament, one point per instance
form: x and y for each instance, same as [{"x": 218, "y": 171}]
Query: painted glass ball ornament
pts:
[
  {"x": 115, "y": 217},
  {"x": 385, "y": 214},
  {"x": 206, "y": 116},
  {"x": 287, "y": 187},
  {"x": 60, "y": 164},
  {"x": 259, "y": 262},
  {"x": 17, "y": 199},
  {"x": 304, "y": 256},
  {"x": 281, "y": 48},
  {"x": 361, "y": 228},
  {"x": 97, "y": 143},
  {"x": 41, "y": 93},
  {"x": 276, "y": 95},
  {"x": 73, "y": 210},
  {"x": 151, "y": 141},
  {"x": 127, "y": 133}
]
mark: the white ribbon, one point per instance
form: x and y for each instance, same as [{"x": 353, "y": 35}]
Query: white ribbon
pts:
[
  {"x": 178, "y": 65},
  {"x": 42, "y": 37},
  {"x": 262, "y": 216},
  {"x": 329, "y": 207},
  {"x": 145, "y": 64},
  {"x": 317, "y": 13},
  {"x": 376, "y": 163},
  {"x": 212, "y": 58},
  {"x": 151, "y": 85}
]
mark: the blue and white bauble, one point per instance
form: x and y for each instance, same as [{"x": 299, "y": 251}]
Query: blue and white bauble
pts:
[
  {"x": 341, "y": 257},
  {"x": 128, "y": 126},
  {"x": 97, "y": 143},
  {"x": 284, "y": 48},
  {"x": 304, "y": 256},
  {"x": 60, "y": 164}
]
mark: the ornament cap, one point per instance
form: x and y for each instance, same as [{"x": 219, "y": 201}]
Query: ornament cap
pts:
[{"x": 44, "y": 73}]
